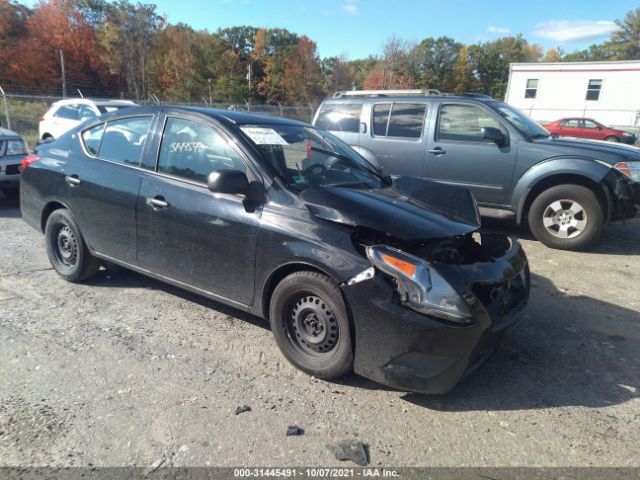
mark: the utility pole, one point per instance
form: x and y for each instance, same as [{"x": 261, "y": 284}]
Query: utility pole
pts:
[
  {"x": 209, "y": 82},
  {"x": 249, "y": 78},
  {"x": 64, "y": 79}
]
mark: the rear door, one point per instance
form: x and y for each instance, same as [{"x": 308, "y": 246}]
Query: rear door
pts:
[
  {"x": 396, "y": 136},
  {"x": 103, "y": 178},
  {"x": 187, "y": 233},
  {"x": 570, "y": 128},
  {"x": 457, "y": 154},
  {"x": 341, "y": 119}
]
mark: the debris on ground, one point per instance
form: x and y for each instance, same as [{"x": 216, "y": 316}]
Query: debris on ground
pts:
[
  {"x": 353, "y": 450},
  {"x": 242, "y": 409},
  {"x": 294, "y": 430}
]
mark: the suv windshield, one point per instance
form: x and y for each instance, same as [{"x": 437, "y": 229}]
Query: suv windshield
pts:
[
  {"x": 521, "y": 122},
  {"x": 306, "y": 156}
]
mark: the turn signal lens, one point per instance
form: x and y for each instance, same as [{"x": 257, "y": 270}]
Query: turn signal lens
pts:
[
  {"x": 409, "y": 269},
  {"x": 28, "y": 160},
  {"x": 630, "y": 169}
]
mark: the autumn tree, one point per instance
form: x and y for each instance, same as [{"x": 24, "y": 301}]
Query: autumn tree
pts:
[{"x": 301, "y": 76}]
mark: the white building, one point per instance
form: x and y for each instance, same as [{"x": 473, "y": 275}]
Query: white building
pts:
[{"x": 606, "y": 91}]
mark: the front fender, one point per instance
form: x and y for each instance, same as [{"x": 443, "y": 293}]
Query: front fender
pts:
[{"x": 587, "y": 168}]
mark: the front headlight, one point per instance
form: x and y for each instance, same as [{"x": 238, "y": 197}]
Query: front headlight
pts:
[
  {"x": 16, "y": 147},
  {"x": 630, "y": 169},
  {"x": 419, "y": 285}
]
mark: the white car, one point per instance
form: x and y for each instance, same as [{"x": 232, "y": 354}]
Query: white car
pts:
[{"x": 66, "y": 114}]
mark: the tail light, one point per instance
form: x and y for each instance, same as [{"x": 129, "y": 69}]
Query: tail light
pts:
[
  {"x": 28, "y": 160},
  {"x": 41, "y": 119}
]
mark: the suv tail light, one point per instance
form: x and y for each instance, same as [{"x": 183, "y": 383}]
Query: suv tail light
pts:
[{"x": 28, "y": 160}]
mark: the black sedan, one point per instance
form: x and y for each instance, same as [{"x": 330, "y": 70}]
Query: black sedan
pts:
[{"x": 354, "y": 270}]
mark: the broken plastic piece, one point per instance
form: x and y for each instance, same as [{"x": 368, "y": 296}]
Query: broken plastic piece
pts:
[
  {"x": 353, "y": 450},
  {"x": 242, "y": 409},
  {"x": 294, "y": 430}
]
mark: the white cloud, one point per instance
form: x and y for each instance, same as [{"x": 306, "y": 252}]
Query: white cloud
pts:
[
  {"x": 501, "y": 30},
  {"x": 574, "y": 30},
  {"x": 351, "y": 7}
]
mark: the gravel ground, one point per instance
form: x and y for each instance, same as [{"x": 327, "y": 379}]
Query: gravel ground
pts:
[{"x": 124, "y": 370}]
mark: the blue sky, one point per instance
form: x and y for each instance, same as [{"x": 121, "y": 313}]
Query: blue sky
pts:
[{"x": 358, "y": 28}]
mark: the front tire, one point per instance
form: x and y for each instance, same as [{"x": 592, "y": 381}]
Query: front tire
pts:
[
  {"x": 311, "y": 325},
  {"x": 612, "y": 138},
  {"x": 66, "y": 249},
  {"x": 566, "y": 217}
]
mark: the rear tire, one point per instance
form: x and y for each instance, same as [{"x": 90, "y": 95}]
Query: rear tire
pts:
[
  {"x": 566, "y": 217},
  {"x": 67, "y": 251},
  {"x": 612, "y": 138},
  {"x": 311, "y": 325}
]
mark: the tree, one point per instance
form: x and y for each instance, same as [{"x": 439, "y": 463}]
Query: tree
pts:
[
  {"x": 553, "y": 55},
  {"x": 126, "y": 39},
  {"x": 625, "y": 41},
  {"x": 463, "y": 75},
  {"x": 437, "y": 59},
  {"x": 301, "y": 76}
]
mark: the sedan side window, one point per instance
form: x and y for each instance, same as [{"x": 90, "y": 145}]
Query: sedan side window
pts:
[
  {"x": 91, "y": 139},
  {"x": 70, "y": 112},
  {"x": 192, "y": 151},
  {"x": 463, "y": 123},
  {"x": 123, "y": 140},
  {"x": 86, "y": 112}
]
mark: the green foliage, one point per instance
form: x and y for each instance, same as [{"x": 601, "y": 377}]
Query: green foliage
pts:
[{"x": 24, "y": 116}]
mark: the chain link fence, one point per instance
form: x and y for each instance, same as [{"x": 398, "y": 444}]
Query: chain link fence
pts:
[{"x": 22, "y": 113}]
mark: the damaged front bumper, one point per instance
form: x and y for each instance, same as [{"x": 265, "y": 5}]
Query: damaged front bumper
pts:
[
  {"x": 626, "y": 196},
  {"x": 412, "y": 351}
]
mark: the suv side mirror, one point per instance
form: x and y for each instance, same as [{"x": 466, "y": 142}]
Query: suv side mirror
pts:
[
  {"x": 494, "y": 135},
  {"x": 228, "y": 181}
]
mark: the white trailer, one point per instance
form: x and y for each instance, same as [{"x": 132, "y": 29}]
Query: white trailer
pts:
[{"x": 606, "y": 91}]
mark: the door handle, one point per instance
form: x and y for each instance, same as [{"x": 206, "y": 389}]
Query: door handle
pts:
[
  {"x": 157, "y": 202},
  {"x": 437, "y": 151},
  {"x": 72, "y": 180}
]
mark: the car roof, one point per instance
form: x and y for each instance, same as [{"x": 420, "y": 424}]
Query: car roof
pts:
[
  {"x": 236, "y": 117},
  {"x": 89, "y": 101},
  {"x": 5, "y": 133}
]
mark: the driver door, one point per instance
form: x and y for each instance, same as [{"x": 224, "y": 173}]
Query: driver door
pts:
[{"x": 187, "y": 233}]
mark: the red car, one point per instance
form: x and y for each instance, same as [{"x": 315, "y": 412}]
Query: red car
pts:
[{"x": 589, "y": 128}]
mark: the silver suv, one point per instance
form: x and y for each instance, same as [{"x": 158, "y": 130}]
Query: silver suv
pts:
[{"x": 566, "y": 189}]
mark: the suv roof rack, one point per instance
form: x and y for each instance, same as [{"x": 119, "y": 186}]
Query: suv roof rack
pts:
[
  {"x": 387, "y": 93},
  {"x": 474, "y": 95}
]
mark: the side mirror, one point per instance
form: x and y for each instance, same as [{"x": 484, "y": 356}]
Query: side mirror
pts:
[
  {"x": 228, "y": 181},
  {"x": 494, "y": 135},
  {"x": 599, "y": 127}
]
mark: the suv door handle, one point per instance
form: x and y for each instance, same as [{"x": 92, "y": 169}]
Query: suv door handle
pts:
[
  {"x": 157, "y": 202},
  {"x": 437, "y": 151},
  {"x": 72, "y": 180}
]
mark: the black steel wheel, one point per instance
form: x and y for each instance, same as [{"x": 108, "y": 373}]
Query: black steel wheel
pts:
[
  {"x": 66, "y": 248},
  {"x": 311, "y": 325}
]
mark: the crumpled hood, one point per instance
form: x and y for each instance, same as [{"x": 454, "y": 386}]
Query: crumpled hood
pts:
[
  {"x": 410, "y": 209},
  {"x": 593, "y": 148}
]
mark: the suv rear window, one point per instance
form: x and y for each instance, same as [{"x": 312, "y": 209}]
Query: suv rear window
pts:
[
  {"x": 340, "y": 117},
  {"x": 67, "y": 111},
  {"x": 406, "y": 120}
]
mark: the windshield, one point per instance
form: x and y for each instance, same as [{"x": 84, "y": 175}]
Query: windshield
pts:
[
  {"x": 521, "y": 122},
  {"x": 306, "y": 156}
]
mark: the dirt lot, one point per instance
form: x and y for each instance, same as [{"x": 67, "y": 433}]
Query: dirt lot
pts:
[{"x": 127, "y": 371}]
